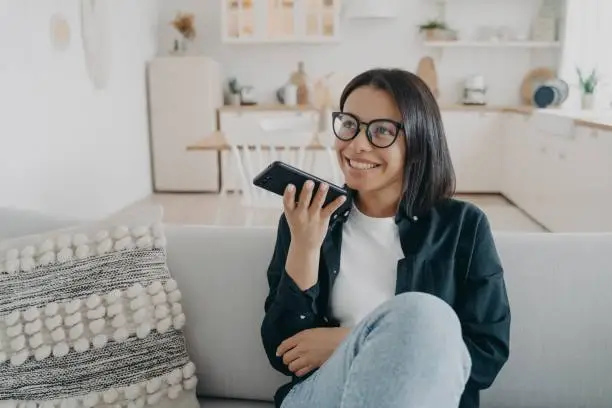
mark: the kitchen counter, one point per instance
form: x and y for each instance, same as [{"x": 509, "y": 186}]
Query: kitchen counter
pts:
[
  {"x": 601, "y": 120},
  {"x": 593, "y": 119},
  {"x": 284, "y": 108},
  {"x": 488, "y": 108},
  {"x": 267, "y": 108}
]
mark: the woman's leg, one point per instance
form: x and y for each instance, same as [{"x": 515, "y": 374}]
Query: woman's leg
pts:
[{"x": 407, "y": 353}]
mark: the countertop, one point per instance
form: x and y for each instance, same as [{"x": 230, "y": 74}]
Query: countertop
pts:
[
  {"x": 601, "y": 120},
  {"x": 594, "y": 119},
  {"x": 305, "y": 108}
]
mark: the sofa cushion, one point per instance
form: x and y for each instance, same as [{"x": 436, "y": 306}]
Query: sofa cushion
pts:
[
  {"x": 214, "y": 266},
  {"x": 558, "y": 286},
  {"x": 233, "y": 403},
  {"x": 90, "y": 316}
]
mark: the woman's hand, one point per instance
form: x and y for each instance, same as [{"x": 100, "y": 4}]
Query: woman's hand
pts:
[
  {"x": 308, "y": 224},
  {"x": 309, "y": 349},
  {"x": 308, "y": 221}
]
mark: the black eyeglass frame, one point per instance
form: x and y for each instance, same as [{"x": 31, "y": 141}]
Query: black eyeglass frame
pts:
[{"x": 400, "y": 127}]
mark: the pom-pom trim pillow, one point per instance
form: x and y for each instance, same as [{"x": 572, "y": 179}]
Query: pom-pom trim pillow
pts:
[{"x": 90, "y": 316}]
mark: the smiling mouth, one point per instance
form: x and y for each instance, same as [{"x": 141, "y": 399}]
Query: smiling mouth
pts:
[{"x": 359, "y": 165}]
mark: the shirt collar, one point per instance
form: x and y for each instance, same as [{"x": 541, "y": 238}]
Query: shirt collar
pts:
[{"x": 401, "y": 214}]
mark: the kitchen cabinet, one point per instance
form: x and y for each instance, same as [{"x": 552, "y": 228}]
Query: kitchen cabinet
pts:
[
  {"x": 550, "y": 183},
  {"x": 589, "y": 195},
  {"x": 475, "y": 142},
  {"x": 515, "y": 138},
  {"x": 558, "y": 173},
  {"x": 278, "y": 21}
]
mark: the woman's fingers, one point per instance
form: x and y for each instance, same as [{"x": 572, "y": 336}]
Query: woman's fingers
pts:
[
  {"x": 306, "y": 194},
  {"x": 319, "y": 199},
  {"x": 291, "y": 355},
  {"x": 329, "y": 209},
  {"x": 289, "y": 198},
  {"x": 303, "y": 371},
  {"x": 299, "y": 364}
]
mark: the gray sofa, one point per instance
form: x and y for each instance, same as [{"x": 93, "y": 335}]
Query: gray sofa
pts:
[{"x": 559, "y": 287}]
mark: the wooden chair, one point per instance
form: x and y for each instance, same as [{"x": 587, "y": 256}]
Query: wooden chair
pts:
[{"x": 283, "y": 139}]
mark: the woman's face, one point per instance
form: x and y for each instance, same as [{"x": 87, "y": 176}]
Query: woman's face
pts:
[{"x": 368, "y": 168}]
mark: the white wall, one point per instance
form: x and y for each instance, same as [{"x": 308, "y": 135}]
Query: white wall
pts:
[
  {"x": 368, "y": 43},
  {"x": 587, "y": 45},
  {"x": 65, "y": 147}
]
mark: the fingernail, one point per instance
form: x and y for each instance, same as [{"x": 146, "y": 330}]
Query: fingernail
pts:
[
  {"x": 309, "y": 184},
  {"x": 290, "y": 187},
  {"x": 324, "y": 186},
  {"x": 343, "y": 198}
]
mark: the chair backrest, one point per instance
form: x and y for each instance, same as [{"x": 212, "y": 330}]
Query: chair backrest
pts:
[{"x": 285, "y": 139}]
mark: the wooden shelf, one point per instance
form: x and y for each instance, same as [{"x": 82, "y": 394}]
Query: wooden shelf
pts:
[
  {"x": 492, "y": 44},
  {"x": 288, "y": 40}
]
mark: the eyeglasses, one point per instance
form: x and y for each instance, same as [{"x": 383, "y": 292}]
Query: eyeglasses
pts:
[{"x": 380, "y": 132}]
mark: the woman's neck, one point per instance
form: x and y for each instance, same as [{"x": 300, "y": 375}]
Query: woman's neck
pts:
[{"x": 377, "y": 204}]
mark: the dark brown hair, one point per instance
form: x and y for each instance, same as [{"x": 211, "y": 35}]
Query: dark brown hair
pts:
[{"x": 429, "y": 176}]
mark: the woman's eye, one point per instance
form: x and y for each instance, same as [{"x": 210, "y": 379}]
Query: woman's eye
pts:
[
  {"x": 349, "y": 124},
  {"x": 383, "y": 131}
]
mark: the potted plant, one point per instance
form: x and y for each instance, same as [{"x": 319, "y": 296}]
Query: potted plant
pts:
[
  {"x": 184, "y": 24},
  {"x": 588, "y": 85},
  {"x": 434, "y": 30},
  {"x": 234, "y": 89}
]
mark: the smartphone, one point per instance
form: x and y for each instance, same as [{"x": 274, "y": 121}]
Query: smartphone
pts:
[{"x": 278, "y": 175}]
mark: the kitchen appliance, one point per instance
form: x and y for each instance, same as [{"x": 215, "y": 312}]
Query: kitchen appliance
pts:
[
  {"x": 287, "y": 95},
  {"x": 248, "y": 95},
  {"x": 184, "y": 95},
  {"x": 475, "y": 91}
]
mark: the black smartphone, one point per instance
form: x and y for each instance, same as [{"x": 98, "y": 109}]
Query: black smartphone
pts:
[{"x": 278, "y": 175}]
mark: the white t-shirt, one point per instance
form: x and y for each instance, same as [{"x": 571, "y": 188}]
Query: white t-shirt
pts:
[{"x": 368, "y": 267}]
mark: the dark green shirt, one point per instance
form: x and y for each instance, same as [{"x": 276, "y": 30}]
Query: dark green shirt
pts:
[{"x": 449, "y": 252}]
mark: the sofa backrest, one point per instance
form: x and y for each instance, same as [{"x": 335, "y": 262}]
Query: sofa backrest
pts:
[{"x": 559, "y": 288}]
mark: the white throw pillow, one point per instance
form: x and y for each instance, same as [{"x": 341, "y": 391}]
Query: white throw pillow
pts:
[{"x": 90, "y": 316}]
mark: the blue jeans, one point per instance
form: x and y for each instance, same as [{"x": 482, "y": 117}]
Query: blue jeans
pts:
[{"x": 407, "y": 353}]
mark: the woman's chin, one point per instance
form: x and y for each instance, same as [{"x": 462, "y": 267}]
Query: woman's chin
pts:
[{"x": 358, "y": 184}]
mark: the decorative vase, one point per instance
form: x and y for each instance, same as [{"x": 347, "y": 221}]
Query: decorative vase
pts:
[
  {"x": 434, "y": 34},
  {"x": 235, "y": 99},
  {"x": 181, "y": 46},
  {"x": 588, "y": 101}
]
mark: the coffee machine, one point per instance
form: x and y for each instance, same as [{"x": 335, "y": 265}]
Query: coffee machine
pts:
[{"x": 475, "y": 91}]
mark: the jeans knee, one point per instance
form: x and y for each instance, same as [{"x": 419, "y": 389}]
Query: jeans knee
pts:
[{"x": 421, "y": 311}]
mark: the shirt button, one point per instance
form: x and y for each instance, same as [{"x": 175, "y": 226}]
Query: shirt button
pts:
[
  {"x": 302, "y": 317},
  {"x": 335, "y": 271}
]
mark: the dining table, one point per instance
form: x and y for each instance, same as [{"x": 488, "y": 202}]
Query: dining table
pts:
[{"x": 217, "y": 141}]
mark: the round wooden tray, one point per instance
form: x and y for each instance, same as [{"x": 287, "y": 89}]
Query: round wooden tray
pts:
[{"x": 532, "y": 80}]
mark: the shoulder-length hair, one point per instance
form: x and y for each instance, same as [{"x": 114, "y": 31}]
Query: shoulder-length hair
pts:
[{"x": 429, "y": 177}]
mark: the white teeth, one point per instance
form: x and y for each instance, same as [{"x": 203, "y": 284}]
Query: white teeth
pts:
[{"x": 361, "y": 165}]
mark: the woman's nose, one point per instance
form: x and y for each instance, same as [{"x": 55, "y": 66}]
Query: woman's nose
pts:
[{"x": 361, "y": 142}]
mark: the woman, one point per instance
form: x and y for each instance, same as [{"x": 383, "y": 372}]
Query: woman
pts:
[{"x": 403, "y": 302}]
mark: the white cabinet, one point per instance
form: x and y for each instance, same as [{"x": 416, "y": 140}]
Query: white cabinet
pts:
[
  {"x": 557, "y": 173},
  {"x": 265, "y": 21},
  {"x": 605, "y": 149},
  {"x": 514, "y": 173},
  {"x": 589, "y": 193},
  {"x": 184, "y": 94},
  {"x": 475, "y": 143}
]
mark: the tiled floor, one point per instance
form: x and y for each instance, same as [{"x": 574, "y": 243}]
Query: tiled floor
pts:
[{"x": 209, "y": 209}]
